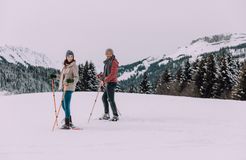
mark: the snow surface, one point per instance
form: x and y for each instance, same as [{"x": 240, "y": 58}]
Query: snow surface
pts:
[
  {"x": 151, "y": 127},
  {"x": 3, "y": 93},
  {"x": 26, "y": 56}
]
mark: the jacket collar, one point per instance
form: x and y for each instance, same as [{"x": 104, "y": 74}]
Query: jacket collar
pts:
[
  {"x": 71, "y": 64},
  {"x": 110, "y": 59}
]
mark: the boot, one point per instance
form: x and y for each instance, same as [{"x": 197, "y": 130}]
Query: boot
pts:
[
  {"x": 71, "y": 123},
  {"x": 114, "y": 119},
  {"x": 67, "y": 124},
  {"x": 105, "y": 117}
]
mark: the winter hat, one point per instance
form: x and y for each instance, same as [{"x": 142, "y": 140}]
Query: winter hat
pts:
[
  {"x": 109, "y": 50},
  {"x": 69, "y": 53}
]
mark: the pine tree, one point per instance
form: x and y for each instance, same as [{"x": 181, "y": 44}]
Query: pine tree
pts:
[
  {"x": 239, "y": 91},
  {"x": 199, "y": 75},
  {"x": 228, "y": 75},
  {"x": 183, "y": 77},
  {"x": 163, "y": 85},
  {"x": 226, "y": 78},
  {"x": 79, "y": 86},
  {"x": 86, "y": 78},
  {"x": 209, "y": 78},
  {"x": 145, "y": 86},
  {"x": 132, "y": 89},
  {"x": 92, "y": 79},
  {"x": 179, "y": 80},
  {"x": 118, "y": 88},
  {"x": 233, "y": 70},
  {"x": 187, "y": 72}
]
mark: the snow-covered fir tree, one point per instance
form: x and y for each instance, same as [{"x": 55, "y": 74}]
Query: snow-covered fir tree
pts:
[
  {"x": 133, "y": 89},
  {"x": 183, "y": 77},
  {"x": 79, "y": 86},
  {"x": 17, "y": 78},
  {"x": 87, "y": 77},
  {"x": 163, "y": 86},
  {"x": 85, "y": 81},
  {"x": 92, "y": 79},
  {"x": 179, "y": 80},
  {"x": 199, "y": 76},
  {"x": 239, "y": 91},
  {"x": 118, "y": 88},
  {"x": 145, "y": 86},
  {"x": 187, "y": 72},
  {"x": 209, "y": 78}
]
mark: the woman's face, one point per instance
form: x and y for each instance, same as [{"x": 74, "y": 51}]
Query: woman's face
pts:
[
  {"x": 108, "y": 54},
  {"x": 70, "y": 58}
]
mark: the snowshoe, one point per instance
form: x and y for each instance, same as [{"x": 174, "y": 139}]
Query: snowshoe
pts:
[
  {"x": 114, "y": 119},
  {"x": 105, "y": 117},
  {"x": 65, "y": 126}
]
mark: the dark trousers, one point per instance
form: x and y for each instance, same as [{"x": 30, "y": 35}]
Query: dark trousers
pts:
[
  {"x": 66, "y": 103},
  {"x": 108, "y": 97}
]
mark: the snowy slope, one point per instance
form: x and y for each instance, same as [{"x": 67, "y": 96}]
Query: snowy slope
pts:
[
  {"x": 211, "y": 44},
  {"x": 195, "y": 48},
  {"x": 153, "y": 127},
  {"x": 25, "y": 56},
  {"x": 144, "y": 64}
]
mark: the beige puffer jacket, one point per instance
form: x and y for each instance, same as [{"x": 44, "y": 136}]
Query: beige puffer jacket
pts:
[{"x": 69, "y": 72}]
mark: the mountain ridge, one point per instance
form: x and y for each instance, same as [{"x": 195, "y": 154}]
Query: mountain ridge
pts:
[
  {"x": 25, "y": 56},
  {"x": 132, "y": 73}
]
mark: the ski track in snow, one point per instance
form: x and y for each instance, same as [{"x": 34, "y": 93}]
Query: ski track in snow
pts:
[{"x": 151, "y": 127}]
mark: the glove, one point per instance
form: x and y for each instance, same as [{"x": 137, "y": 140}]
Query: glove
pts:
[
  {"x": 70, "y": 80},
  {"x": 53, "y": 76}
]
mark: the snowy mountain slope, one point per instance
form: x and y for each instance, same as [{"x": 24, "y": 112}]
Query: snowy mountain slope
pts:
[
  {"x": 211, "y": 44},
  {"x": 142, "y": 67},
  {"x": 26, "y": 57},
  {"x": 192, "y": 51},
  {"x": 154, "y": 127}
]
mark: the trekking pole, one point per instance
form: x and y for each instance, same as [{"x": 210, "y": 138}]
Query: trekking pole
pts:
[
  {"x": 59, "y": 109},
  {"x": 54, "y": 97},
  {"x": 98, "y": 91}
]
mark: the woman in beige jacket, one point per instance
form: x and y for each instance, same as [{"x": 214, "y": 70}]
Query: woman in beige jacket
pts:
[{"x": 68, "y": 80}]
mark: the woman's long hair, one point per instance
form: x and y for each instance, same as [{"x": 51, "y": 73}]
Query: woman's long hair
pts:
[{"x": 67, "y": 63}]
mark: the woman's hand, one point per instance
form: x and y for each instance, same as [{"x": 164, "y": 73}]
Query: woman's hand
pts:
[{"x": 65, "y": 87}]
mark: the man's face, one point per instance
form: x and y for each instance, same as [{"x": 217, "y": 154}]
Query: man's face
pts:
[
  {"x": 108, "y": 54},
  {"x": 70, "y": 58}
]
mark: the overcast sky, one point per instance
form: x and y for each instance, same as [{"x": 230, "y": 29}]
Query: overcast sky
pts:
[{"x": 133, "y": 28}]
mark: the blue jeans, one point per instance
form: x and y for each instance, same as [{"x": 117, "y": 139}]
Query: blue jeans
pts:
[{"x": 66, "y": 103}]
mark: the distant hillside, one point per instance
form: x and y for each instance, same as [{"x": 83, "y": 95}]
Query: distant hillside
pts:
[
  {"x": 132, "y": 74},
  {"x": 24, "y": 71}
]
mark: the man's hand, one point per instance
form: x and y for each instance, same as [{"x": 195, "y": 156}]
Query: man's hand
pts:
[
  {"x": 101, "y": 83},
  {"x": 100, "y": 76}
]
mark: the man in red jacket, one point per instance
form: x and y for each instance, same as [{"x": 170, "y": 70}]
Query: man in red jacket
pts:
[{"x": 109, "y": 81}]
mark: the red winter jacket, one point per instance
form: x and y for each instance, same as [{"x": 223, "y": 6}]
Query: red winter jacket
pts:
[
  {"x": 112, "y": 77},
  {"x": 112, "y": 69}
]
